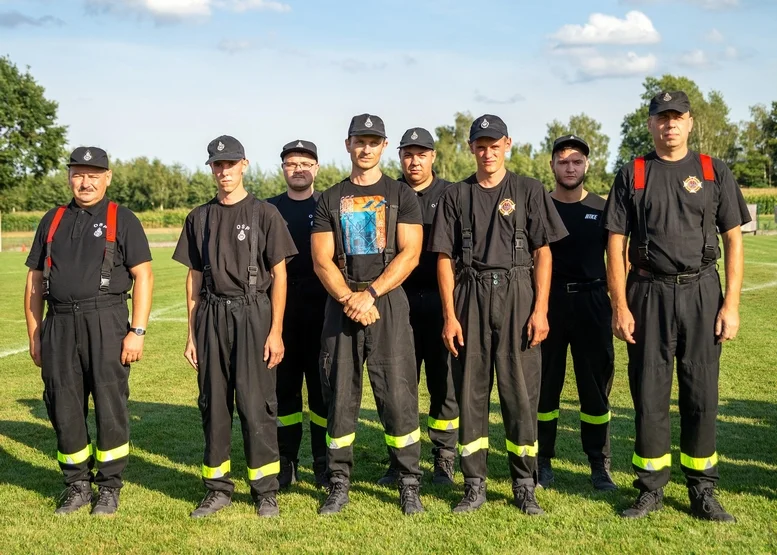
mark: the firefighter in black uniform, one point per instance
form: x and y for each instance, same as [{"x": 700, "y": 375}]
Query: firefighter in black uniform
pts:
[
  {"x": 303, "y": 319},
  {"x": 367, "y": 238},
  {"x": 492, "y": 233},
  {"x": 416, "y": 156},
  {"x": 579, "y": 315},
  {"x": 668, "y": 204},
  {"x": 236, "y": 248},
  {"x": 83, "y": 262}
]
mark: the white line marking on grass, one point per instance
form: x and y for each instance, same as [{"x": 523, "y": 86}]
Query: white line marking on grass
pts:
[
  {"x": 155, "y": 314},
  {"x": 171, "y": 319},
  {"x": 4, "y": 354},
  {"x": 761, "y": 286}
]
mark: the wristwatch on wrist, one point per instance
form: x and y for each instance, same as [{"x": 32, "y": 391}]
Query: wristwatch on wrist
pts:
[
  {"x": 138, "y": 331},
  {"x": 372, "y": 292}
]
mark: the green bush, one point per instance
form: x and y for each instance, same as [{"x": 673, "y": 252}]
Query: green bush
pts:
[
  {"x": 28, "y": 221},
  {"x": 765, "y": 202},
  {"x": 21, "y": 221}
]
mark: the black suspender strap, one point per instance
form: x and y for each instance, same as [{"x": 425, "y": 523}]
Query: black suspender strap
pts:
[
  {"x": 639, "y": 201},
  {"x": 110, "y": 249},
  {"x": 392, "y": 210},
  {"x": 708, "y": 222},
  {"x": 466, "y": 224},
  {"x": 253, "y": 268},
  {"x": 337, "y": 230},
  {"x": 520, "y": 252},
  {"x": 207, "y": 275}
]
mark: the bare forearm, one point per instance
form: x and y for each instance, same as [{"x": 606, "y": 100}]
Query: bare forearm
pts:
[
  {"x": 616, "y": 270},
  {"x": 193, "y": 286},
  {"x": 33, "y": 302},
  {"x": 734, "y": 264},
  {"x": 278, "y": 300},
  {"x": 141, "y": 299},
  {"x": 543, "y": 267},
  {"x": 446, "y": 279},
  {"x": 331, "y": 278},
  {"x": 396, "y": 272}
]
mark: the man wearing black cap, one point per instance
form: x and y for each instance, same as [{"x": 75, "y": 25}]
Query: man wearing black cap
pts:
[
  {"x": 236, "y": 248},
  {"x": 83, "y": 262},
  {"x": 579, "y": 316},
  {"x": 367, "y": 238},
  {"x": 303, "y": 319},
  {"x": 669, "y": 203},
  {"x": 416, "y": 156},
  {"x": 492, "y": 233}
]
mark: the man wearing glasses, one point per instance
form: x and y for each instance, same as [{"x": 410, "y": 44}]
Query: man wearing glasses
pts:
[{"x": 303, "y": 319}]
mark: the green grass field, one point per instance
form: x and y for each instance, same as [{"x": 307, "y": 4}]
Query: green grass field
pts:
[{"x": 163, "y": 485}]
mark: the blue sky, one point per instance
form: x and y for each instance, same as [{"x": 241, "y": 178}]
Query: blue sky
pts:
[{"x": 160, "y": 78}]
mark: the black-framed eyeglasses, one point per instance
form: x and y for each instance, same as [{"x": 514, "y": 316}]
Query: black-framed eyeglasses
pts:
[{"x": 304, "y": 166}]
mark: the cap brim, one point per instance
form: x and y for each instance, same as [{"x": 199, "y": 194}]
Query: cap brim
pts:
[
  {"x": 679, "y": 108},
  {"x": 490, "y": 133},
  {"x": 300, "y": 149},
  {"x": 224, "y": 157},
  {"x": 572, "y": 143},
  {"x": 416, "y": 143},
  {"x": 88, "y": 165},
  {"x": 367, "y": 132}
]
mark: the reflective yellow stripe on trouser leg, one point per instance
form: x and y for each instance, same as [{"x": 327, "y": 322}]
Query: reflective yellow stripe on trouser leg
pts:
[
  {"x": 340, "y": 442},
  {"x": 473, "y": 446},
  {"x": 289, "y": 419},
  {"x": 699, "y": 463},
  {"x": 77, "y": 457},
  {"x": 216, "y": 471},
  {"x": 319, "y": 421},
  {"x": 405, "y": 440},
  {"x": 266, "y": 470},
  {"x": 590, "y": 419},
  {"x": 521, "y": 450},
  {"x": 548, "y": 416},
  {"x": 653, "y": 464},
  {"x": 112, "y": 454},
  {"x": 442, "y": 425}
]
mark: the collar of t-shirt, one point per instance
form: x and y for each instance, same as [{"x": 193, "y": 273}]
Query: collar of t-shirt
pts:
[
  {"x": 249, "y": 197},
  {"x": 425, "y": 190},
  {"x": 473, "y": 180},
  {"x": 653, "y": 157},
  {"x": 91, "y": 210}
]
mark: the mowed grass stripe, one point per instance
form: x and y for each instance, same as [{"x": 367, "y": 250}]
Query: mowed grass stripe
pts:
[{"x": 162, "y": 480}]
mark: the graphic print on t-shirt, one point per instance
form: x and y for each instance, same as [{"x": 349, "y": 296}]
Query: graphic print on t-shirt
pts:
[{"x": 363, "y": 220}]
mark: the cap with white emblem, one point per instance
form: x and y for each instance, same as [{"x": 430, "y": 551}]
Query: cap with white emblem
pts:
[
  {"x": 367, "y": 124},
  {"x": 489, "y": 126},
  {"x": 417, "y": 136},
  {"x": 300, "y": 145},
  {"x": 225, "y": 148},
  {"x": 89, "y": 156},
  {"x": 676, "y": 101}
]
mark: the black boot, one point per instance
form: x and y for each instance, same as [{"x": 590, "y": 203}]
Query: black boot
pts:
[
  {"x": 213, "y": 502},
  {"x": 647, "y": 502},
  {"x": 600, "y": 475},
  {"x": 706, "y": 506},
  {"x": 77, "y": 495},
  {"x": 338, "y": 496},
  {"x": 524, "y": 499},
  {"x": 107, "y": 501},
  {"x": 288, "y": 474},
  {"x": 544, "y": 472},
  {"x": 474, "y": 496},
  {"x": 319, "y": 471},
  {"x": 444, "y": 467},
  {"x": 267, "y": 506},
  {"x": 409, "y": 499},
  {"x": 390, "y": 477}
]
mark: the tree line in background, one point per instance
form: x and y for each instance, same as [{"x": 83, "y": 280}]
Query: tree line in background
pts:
[{"x": 33, "y": 175}]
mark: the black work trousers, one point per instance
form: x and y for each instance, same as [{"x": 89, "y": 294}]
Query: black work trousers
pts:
[
  {"x": 674, "y": 320},
  {"x": 427, "y": 322},
  {"x": 230, "y": 337},
  {"x": 81, "y": 355},
  {"x": 387, "y": 348},
  {"x": 303, "y": 321},
  {"x": 580, "y": 320},
  {"x": 493, "y": 309}
]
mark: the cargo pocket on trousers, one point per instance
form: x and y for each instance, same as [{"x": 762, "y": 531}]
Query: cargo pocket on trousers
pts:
[
  {"x": 272, "y": 408},
  {"x": 325, "y": 369}
]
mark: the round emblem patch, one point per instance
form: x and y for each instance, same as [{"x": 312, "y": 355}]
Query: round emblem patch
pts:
[
  {"x": 506, "y": 207},
  {"x": 692, "y": 184}
]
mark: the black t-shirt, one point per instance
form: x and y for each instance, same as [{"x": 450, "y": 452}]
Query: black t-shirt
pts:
[
  {"x": 494, "y": 215},
  {"x": 299, "y": 219},
  {"x": 425, "y": 274},
  {"x": 78, "y": 248},
  {"x": 674, "y": 198},
  {"x": 363, "y": 216},
  {"x": 579, "y": 256},
  {"x": 229, "y": 249}
]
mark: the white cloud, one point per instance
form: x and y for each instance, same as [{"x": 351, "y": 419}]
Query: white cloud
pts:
[
  {"x": 715, "y": 36},
  {"x": 599, "y": 66},
  {"x": 512, "y": 99},
  {"x": 705, "y": 4},
  {"x": 234, "y": 46},
  {"x": 695, "y": 59},
  {"x": 177, "y": 10},
  {"x": 635, "y": 28},
  {"x": 731, "y": 53}
]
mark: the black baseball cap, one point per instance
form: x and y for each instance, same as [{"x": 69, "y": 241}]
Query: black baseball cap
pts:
[
  {"x": 89, "y": 156},
  {"x": 300, "y": 146},
  {"x": 367, "y": 124},
  {"x": 670, "y": 100},
  {"x": 571, "y": 141},
  {"x": 417, "y": 136},
  {"x": 487, "y": 125},
  {"x": 225, "y": 148}
]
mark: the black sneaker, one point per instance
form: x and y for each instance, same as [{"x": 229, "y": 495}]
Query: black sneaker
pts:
[
  {"x": 390, "y": 477},
  {"x": 319, "y": 471},
  {"x": 474, "y": 496},
  {"x": 706, "y": 506},
  {"x": 338, "y": 496},
  {"x": 544, "y": 472},
  {"x": 75, "y": 496},
  {"x": 647, "y": 502},
  {"x": 600, "y": 475},
  {"x": 107, "y": 501},
  {"x": 444, "y": 468},
  {"x": 213, "y": 502},
  {"x": 524, "y": 499},
  {"x": 267, "y": 506},
  {"x": 409, "y": 499},
  {"x": 288, "y": 474}
]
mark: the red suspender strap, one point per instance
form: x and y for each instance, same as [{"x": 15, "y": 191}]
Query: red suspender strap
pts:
[
  {"x": 55, "y": 223},
  {"x": 49, "y": 239},
  {"x": 707, "y": 169},
  {"x": 110, "y": 237},
  {"x": 110, "y": 248},
  {"x": 639, "y": 173}
]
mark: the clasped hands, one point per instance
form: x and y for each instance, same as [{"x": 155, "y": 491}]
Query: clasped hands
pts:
[{"x": 360, "y": 307}]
